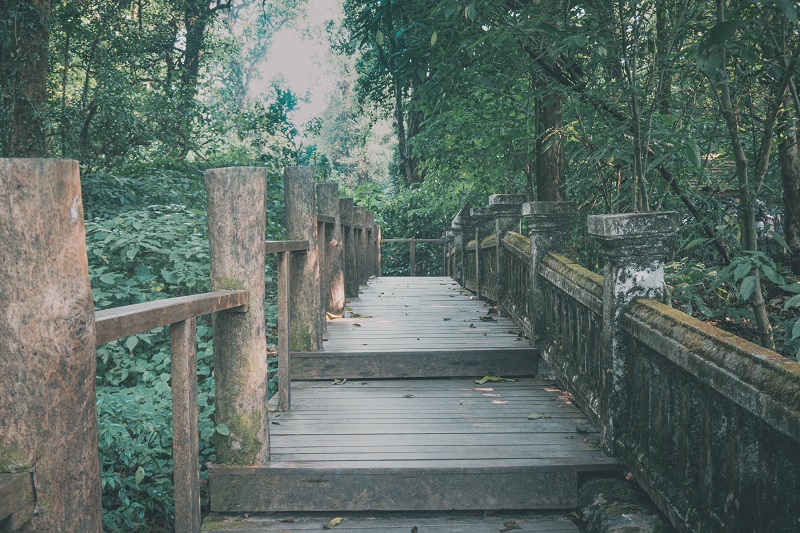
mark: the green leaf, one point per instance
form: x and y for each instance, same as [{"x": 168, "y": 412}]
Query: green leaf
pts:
[
  {"x": 796, "y": 329},
  {"x": 771, "y": 275},
  {"x": 222, "y": 429},
  {"x": 469, "y": 12},
  {"x": 794, "y": 301},
  {"x": 379, "y": 37},
  {"x": 748, "y": 285},
  {"x": 139, "y": 475},
  {"x": 694, "y": 155},
  {"x": 433, "y": 38},
  {"x": 169, "y": 277},
  {"x": 131, "y": 253},
  {"x": 131, "y": 343},
  {"x": 741, "y": 271},
  {"x": 108, "y": 279},
  {"x": 789, "y": 8}
]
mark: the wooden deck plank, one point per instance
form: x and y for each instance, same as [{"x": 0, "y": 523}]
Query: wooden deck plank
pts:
[{"x": 358, "y": 523}]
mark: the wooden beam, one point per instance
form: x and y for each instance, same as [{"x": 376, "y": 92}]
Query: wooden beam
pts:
[
  {"x": 276, "y": 247},
  {"x": 409, "y": 240},
  {"x": 114, "y": 324},
  {"x": 325, "y": 219},
  {"x": 284, "y": 284}
]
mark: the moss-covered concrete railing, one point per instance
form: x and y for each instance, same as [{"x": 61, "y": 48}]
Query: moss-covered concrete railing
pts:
[{"x": 709, "y": 424}]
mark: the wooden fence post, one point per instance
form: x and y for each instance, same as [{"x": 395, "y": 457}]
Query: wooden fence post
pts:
[
  {"x": 185, "y": 445},
  {"x": 48, "y": 406},
  {"x": 333, "y": 268},
  {"x": 462, "y": 231},
  {"x": 346, "y": 210},
  {"x": 378, "y": 267},
  {"x": 284, "y": 359},
  {"x": 369, "y": 248},
  {"x": 633, "y": 246},
  {"x": 322, "y": 285},
  {"x": 549, "y": 223},
  {"x": 235, "y": 199},
  {"x": 360, "y": 219},
  {"x": 305, "y": 329},
  {"x": 507, "y": 213},
  {"x": 478, "y": 215}
]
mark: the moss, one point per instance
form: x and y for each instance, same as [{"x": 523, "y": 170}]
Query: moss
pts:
[
  {"x": 520, "y": 242},
  {"x": 470, "y": 245},
  {"x": 242, "y": 447},
  {"x": 491, "y": 240},
  {"x": 12, "y": 462},
  {"x": 300, "y": 339},
  {"x": 228, "y": 283}
]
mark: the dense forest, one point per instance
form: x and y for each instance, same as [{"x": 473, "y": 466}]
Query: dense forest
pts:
[{"x": 617, "y": 106}]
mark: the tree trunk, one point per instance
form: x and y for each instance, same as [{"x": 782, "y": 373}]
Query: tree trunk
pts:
[
  {"x": 790, "y": 178},
  {"x": 549, "y": 149},
  {"x": 23, "y": 83}
]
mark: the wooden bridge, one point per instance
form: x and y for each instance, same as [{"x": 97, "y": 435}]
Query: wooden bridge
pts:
[{"x": 417, "y": 395}]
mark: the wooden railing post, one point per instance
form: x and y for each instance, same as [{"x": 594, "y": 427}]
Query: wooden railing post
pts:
[
  {"x": 360, "y": 219},
  {"x": 48, "y": 406},
  {"x": 322, "y": 283},
  {"x": 550, "y": 224},
  {"x": 185, "y": 445},
  {"x": 507, "y": 214},
  {"x": 462, "y": 231},
  {"x": 479, "y": 216},
  {"x": 369, "y": 248},
  {"x": 412, "y": 258},
  {"x": 333, "y": 267},
  {"x": 284, "y": 359},
  {"x": 236, "y": 229},
  {"x": 633, "y": 247},
  {"x": 378, "y": 267},
  {"x": 305, "y": 329},
  {"x": 346, "y": 210}
]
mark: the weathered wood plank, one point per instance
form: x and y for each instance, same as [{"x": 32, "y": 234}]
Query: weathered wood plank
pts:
[
  {"x": 276, "y": 247},
  {"x": 421, "y": 363},
  {"x": 185, "y": 446},
  {"x": 113, "y": 324},
  {"x": 396, "y": 523},
  {"x": 393, "y": 487},
  {"x": 284, "y": 362},
  {"x": 326, "y": 219}
]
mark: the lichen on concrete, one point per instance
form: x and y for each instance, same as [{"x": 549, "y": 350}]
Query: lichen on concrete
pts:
[{"x": 611, "y": 505}]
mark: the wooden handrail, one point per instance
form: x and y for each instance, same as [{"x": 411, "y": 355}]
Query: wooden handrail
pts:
[
  {"x": 114, "y": 324},
  {"x": 409, "y": 240},
  {"x": 326, "y": 219},
  {"x": 276, "y": 247}
]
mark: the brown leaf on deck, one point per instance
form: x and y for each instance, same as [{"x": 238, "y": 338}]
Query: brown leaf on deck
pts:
[
  {"x": 509, "y": 525},
  {"x": 333, "y": 522}
]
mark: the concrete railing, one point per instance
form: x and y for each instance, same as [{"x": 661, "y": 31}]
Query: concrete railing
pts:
[{"x": 707, "y": 423}]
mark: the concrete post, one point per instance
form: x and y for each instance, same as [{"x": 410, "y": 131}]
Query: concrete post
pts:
[
  {"x": 462, "y": 230},
  {"x": 633, "y": 247},
  {"x": 48, "y": 406},
  {"x": 328, "y": 202},
  {"x": 360, "y": 219},
  {"x": 507, "y": 214},
  {"x": 549, "y": 224},
  {"x": 378, "y": 267},
  {"x": 235, "y": 199},
  {"x": 305, "y": 328},
  {"x": 350, "y": 255},
  {"x": 369, "y": 249}
]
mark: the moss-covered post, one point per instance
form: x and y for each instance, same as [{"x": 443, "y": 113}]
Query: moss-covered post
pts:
[
  {"x": 506, "y": 209},
  {"x": 48, "y": 412},
  {"x": 633, "y": 247},
  {"x": 550, "y": 224},
  {"x": 350, "y": 255},
  {"x": 305, "y": 328},
  {"x": 328, "y": 204},
  {"x": 479, "y": 216},
  {"x": 235, "y": 199}
]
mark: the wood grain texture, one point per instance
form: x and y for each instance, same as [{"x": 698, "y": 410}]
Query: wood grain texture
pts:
[
  {"x": 333, "y": 267},
  {"x": 236, "y": 227},
  {"x": 475, "y": 522},
  {"x": 185, "y": 446},
  {"x": 114, "y": 324},
  {"x": 350, "y": 253},
  {"x": 47, "y": 341},
  {"x": 284, "y": 393},
  {"x": 275, "y": 247},
  {"x": 305, "y": 326}
]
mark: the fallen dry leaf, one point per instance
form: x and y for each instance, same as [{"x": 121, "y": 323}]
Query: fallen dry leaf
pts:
[
  {"x": 582, "y": 429},
  {"x": 359, "y": 315},
  {"x": 509, "y": 525},
  {"x": 331, "y": 316},
  {"x": 356, "y": 324},
  {"x": 333, "y": 522},
  {"x": 414, "y": 529},
  {"x": 629, "y": 476},
  {"x": 575, "y": 515},
  {"x": 287, "y": 520},
  {"x": 535, "y": 416},
  {"x": 486, "y": 379},
  {"x": 339, "y": 381},
  {"x": 408, "y": 396}
]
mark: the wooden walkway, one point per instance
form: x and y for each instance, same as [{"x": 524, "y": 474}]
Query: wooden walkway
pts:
[
  {"x": 390, "y": 418},
  {"x": 403, "y": 327}
]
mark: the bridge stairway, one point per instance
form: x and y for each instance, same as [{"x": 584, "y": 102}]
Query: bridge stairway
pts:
[{"x": 390, "y": 417}]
